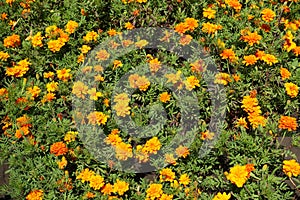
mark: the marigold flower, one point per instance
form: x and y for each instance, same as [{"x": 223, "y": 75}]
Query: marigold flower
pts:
[
  {"x": 36, "y": 40},
  {"x": 97, "y": 118},
  {"x": 234, "y": 4},
  {"x": 285, "y": 74},
  {"x": 107, "y": 189},
  {"x": 34, "y": 91},
  {"x": 222, "y": 78},
  {"x": 96, "y": 182},
  {"x": 85, "y": 49},
  {"x": 49, "y": 75},
  {"x": 269, "y": 59},
  {"x": 191, "y": 83},
  {"x": 209, "y": 13},
  {"x": 207, "y": 135},
  {"x": 166, "y": 175},
  {"x": 154, "y": 65},
  {"x": 70, "y": 136},
  {"x": 141, "y": 43},
  {"x": 90, "y": 195},
  {"x": 64, "y": 74},
  {"x": 123, "y": 151},
  {"x": 71, "y": 26},
  {"x": 250, "y": 60},
  {"x": 169, "y": 158},
  {"x": 122, "y": 109},
  {"x": 129, "y": 26},
  {"x": 228, "y": 54},
  {"x": 239, "y": 174},
  {"x": 12, "y": 41},
  {"x": 256, "y": 120},
  {"x": 154, "y": 191},
  {"x": 251, "y": 38},
  {"x": 152, "y": 145},
  {"x": 63, "y": 163},
  {"x": 120, "y": 187},
  {"x": 55, "y": 45},
  {"x": 268, "y": 15},
  {"x": 296, "y": 50},
  {"x": 94, "y": 94},
  {"x": 291, "y": 89},
  {"x": 4, "y": 56},
  {"x": 184, "y": 179},
  {"x": 113, "y": 139},
  {"x": 35, "y": 195},
  {"x": 241, "y": 122},
  {"x": 58, "y": 148},
  {"x": 191, "y": 23},
  {"x": 117, "y": 63},
  {"x": 181, "y": 28},
  {"x": 182, "y": 151},
  {"x": 185, "y": 39},
  {"x": 164, "y": 97},
  {"x": 80, "y": 89},
  {"x": 85, "y": 175},
  {"x": 92, "y": 35},
  {"x": 291, "y": 168},
  {"x": 102, "y": 55},
  {"x": 112, "y": 32},
  {"x": 210, "y": 28},
  {"x": 221, "y": 196},
  {"x": 289, "y": 123}
]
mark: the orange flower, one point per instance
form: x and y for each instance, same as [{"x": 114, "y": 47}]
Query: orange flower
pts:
[
  {"x": 291, "y": 168},
  {"x": 239, "y": 174},
  {"x": 250, "y": 60},
  {"x": 234, "y": 4},
  {"x": 63, "y": 163},
  {"x": 268, "y": 14},
  {"x": 96, "y": 182},
  {"x": 71, "y": 26},
  {"x": 85, "y": 175},
  {"x": 123, "y": 151},
  {"x": 181, "y": 28},
  {"x": 35, "y": 195},
  {"x": 251, "y": 38},
  {"x": 185, "y": 39},
  {"x": 222, "y": 78},
  {"x": 228, "y": 54},
  {"x": 191, "y": 23},
  {"x": 241, "y": 122},
  {"x": 210, "y": 28},
  {"x": 33, "y": 91},
  {"x": 182, "y": 151},
  {"x": 55, "y": 45},
  {"x": 36, "y": 40},
  {"x": 169, "y": 158},
  {"x": 107, "y": 189},
  {"x": 164, "y": 97},
  {"x": 291, "y": 89},
  {"x": 296, "y": 50},
  {"x": 289, "y": 123},
  {"x": 102, "y": 55},
  {"x": 285, "y": 74},
  {"x": 166, "y": 175},
  {"x": 12, "y": 41},
  {"x": 58, "y": 148},
  {"x": 197, "y": 66}
]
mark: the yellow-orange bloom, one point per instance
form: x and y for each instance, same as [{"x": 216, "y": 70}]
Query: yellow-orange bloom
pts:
[
  {"x": 12, "y": 41},
  {"x": 97, "y": 117},
  {"x": 64, "y": 74},
  {"x": 209, "y": 13},
  {"x": 35, "y": 195},
  {"x": 291, "y": 168},
  {"x": 166, "y": 175},
  {"x": 291, "y": 89},
  {"x": 221, "y": 196},
  {"x": 268, "y": 14},
  {"x": 164, "y": 97},
  {"x": 239, "y": 174},
  {"x": 289, "y": 123},
  {"x": 250, "y": 60},
  {"x": 37, "y": 39},
  {"x": 269, "y": 59},
  {"x": 154, "y": 191},
  {"x": 228, "y": 54},
  {"x": 120, "y": 187},
  {"x": 71, "y": 26},
  {"x": 58, "y": 148},
  {"x": 285, "y": 74},
  {"x": 251, "y": 38}
]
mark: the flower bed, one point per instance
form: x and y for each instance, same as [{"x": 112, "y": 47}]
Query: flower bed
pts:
[{"x": 137, "y": 99}]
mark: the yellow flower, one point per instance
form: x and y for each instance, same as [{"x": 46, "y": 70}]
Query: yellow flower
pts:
[
  {"x": 94, "y": 94},
  {"x": 71, "y": 26},
  {"x": 120, "y": 187},
  {"x": 36, "y": 40},
  {"x": 85, "y": 175},
  {"x": 268, "y": 15},
  {"x": 80, "y": 89},
  {"x": 97, "y": 118},
  {"x": 184, "y": 179},
  {"x": 239, "y": 174},
  {"x": 222, "y": 78},
  {"x": 63, "y": 163},
  {"x": 70, "y": 136},
  {"x": 34, "y": 91},
  {"x": 209, "y": 13},
  {"x": 291, "y": 89},
  {"x": 123, "y": 151},
  {"x": 152, "y": 145},
  {"x": 96, "y": 182},
  {"x": 291, "y": 168},
  {"x": 35, "y": 195},
  {"x": 129, "y": 26},
  {"x": 166, "y": 175},
  {"x": 221, "y": 196},
  {"x": 289, "y": 123},
  {"x": 269, "y": 59},
  {"x": 92, "y": 35},
  {"x": 52, "y": 86},
  {"x": 4, "y": 56},
  {"x": 154, "y": 191},
  {"x": 191, "y": 83},
  {"x": 64, "y": 74},
  {"x": 85, "y": 49},
  {"x": 122, "y": 109}
]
